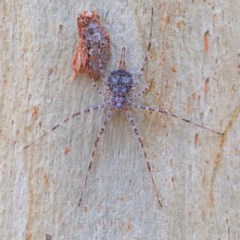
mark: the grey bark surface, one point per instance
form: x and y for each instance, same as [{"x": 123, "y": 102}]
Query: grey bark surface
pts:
[{"x": 195, "y": 67}]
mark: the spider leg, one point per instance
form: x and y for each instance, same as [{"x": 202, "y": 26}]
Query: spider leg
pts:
[
  {"x": 64, "y": 121},
  {"x": 148, "y": 51},
  {"x": 170, "y": 114},
  {"x": 122, "y": 62},
  {"x": 100, "y": 133},
  {"x": 105, "y": 80},
  {"x": 144, "y": 91},
  {"x": 103, "y": 74},
  {"x": 97, "y": 88},
  {"x": 132, "y": 123}
]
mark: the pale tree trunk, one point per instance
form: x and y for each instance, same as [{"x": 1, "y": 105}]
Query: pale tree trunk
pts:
[{"x": 195, "y": 67}]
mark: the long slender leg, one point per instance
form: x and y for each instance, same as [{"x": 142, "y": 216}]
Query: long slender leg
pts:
[
  {"x": 64, "y": 121},
  {"x": 122, "y": 63},
  {"x": 105, "y": 81},
  {"x": 142, "y": 69},
  {"x": 97, "y": 88},
  {"x": 105, "y": 90},
  {"x": 148, "y": 51},
  {"x": 168, "y": 113},
  {"x": 145, "y": 90},
  {"x": 140, "y": 140},
  {"x": 102, "y": 71},
  {"x": 100, "y": 133}
]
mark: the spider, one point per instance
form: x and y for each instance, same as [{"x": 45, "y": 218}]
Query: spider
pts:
[
  {"x": 93, "y": 49},
  {"x": 119, "y": 97}
]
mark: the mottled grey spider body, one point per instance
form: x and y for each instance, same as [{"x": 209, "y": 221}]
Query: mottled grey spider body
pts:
[{"x": 120, "y": 83}]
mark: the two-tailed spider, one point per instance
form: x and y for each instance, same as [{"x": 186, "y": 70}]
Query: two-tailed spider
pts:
[{"x": 120, "y": 97}]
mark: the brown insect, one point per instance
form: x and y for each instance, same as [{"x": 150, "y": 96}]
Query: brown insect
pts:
[{"x": 93, "y": 48}]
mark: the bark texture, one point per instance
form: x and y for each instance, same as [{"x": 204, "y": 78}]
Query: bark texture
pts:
[{"x": 195, "y": 64}]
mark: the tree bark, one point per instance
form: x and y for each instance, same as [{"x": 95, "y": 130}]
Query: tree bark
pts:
[{"x": 195, "y": 67}]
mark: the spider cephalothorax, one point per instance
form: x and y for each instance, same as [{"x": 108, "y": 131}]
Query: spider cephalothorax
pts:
[{"x": 120, "y": 82}]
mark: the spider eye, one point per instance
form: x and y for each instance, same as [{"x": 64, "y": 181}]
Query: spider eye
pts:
[
  {"x": 125, "y": 80},
  {"x": 114, "y": 80}
]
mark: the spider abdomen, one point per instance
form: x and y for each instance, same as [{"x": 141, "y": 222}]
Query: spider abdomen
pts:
[{"x": 119, "y": 102}]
